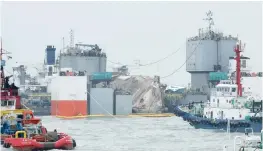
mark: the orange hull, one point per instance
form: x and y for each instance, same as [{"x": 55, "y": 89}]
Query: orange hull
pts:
[{"x": 68, "y": 107}]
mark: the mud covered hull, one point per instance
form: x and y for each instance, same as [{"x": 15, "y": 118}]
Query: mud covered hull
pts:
[{"x": 220, "y": 125}]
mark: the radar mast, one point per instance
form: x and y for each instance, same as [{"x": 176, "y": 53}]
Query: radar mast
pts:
[{"x": 210, "y": 20}]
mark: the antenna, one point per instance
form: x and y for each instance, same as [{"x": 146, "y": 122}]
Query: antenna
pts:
[
  {"x": 71, "y": 38},
  {"x": 63, "y": 44},
  {"x": 209, "y": 19},
  {"x": 1, "y": 48},
  {"x": 242, "y": 46},
  {"x": 1, "y": 53}
]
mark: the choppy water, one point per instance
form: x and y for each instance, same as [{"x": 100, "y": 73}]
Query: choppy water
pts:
[{"x": 138, "y": 134}]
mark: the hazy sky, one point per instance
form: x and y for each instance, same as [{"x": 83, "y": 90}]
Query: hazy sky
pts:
[{"x": 127, "y": 31}]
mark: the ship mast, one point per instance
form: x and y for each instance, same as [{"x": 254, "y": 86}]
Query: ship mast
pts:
[
  {"x": 210, "y": 20},
  {"x": 1, "y": 50},
  {"x": 2, "y": 68},
  {"x": 71, "y": 38},
  {"x": 238, "y": 71},
  {"x": 3, "y": 63}
]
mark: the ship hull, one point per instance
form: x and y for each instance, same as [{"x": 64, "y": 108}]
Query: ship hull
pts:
[
  {"x": 220, "y": 125},
  {"x": 255, "y": 126},
  {"x": 69, "y": 96},
  {"x": 68, "y": 108}
]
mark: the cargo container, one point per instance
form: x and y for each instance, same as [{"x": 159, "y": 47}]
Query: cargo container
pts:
[
  {"x": 69, "y": 96},
  {"x": 101, "y": 76},
  {"x": 217, "y": 76}
]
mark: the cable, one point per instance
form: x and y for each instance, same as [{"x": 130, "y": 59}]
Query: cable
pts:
[
  {"x": 154, "y": 62},
  {"x": 114, "y": 62},
  {"x": 118, "y": 63},
  {"x": 98, "y": 103},
  {"x": 151, "y": 63},
  {"x": 185, "y": 60},
  {"x": 183, "y": 63}
]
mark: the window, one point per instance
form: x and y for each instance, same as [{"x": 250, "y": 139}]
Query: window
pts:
[
  {"x": 11, "y": 103},
  {"x": 39, "y": 131},
  {"x": 49, "y": 69},
  {"x": 243, "y": 64},
  {"x": 233, "y": 89},
  {"x": 3, "y": 103}
]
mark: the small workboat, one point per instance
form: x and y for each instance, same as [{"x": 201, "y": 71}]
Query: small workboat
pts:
[{"x": 35, "y": 137}]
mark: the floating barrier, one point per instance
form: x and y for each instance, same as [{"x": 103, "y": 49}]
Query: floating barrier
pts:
[{"x": 131, "y": 115}]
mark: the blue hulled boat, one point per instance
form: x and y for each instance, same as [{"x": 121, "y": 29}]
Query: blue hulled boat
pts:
[
  {"x": 231, "y": 105},
  {"x": 199, "y": 122}
]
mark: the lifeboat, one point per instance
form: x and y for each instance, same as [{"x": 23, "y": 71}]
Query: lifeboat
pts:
[{"x": 44, "y": 141}]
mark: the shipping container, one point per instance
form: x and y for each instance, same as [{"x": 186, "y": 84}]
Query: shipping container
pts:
[
  {"x": 217, "y": 76},
  {"x": 101, "y": 76}
]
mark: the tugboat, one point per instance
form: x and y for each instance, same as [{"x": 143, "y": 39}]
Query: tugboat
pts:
[
  {"x": 25, "y": 132},
  {"x": 226, "y": 104},
  {"x": 20, "y": 129},
  {"x": 11, "y": 107},
  {"x": 10, "y": 100}
]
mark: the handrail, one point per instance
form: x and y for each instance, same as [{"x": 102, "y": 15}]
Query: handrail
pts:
[
  {"x": 20, "y": 132},
  {"x": 25, "y": 106},
  {"x": 252, "y": 132},
  {"x": 235, "y": 141}
]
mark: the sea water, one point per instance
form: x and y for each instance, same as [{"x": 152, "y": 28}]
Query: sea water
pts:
[{"x": 139, "y": 134}]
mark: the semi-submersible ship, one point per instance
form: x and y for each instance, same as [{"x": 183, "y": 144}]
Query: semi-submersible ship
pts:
[
  {"x": 82, "y": 67},
  {"x": 78, "y": 84}
]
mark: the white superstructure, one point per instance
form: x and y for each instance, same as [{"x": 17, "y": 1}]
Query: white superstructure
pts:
[{"x": 224, "y": 102}]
